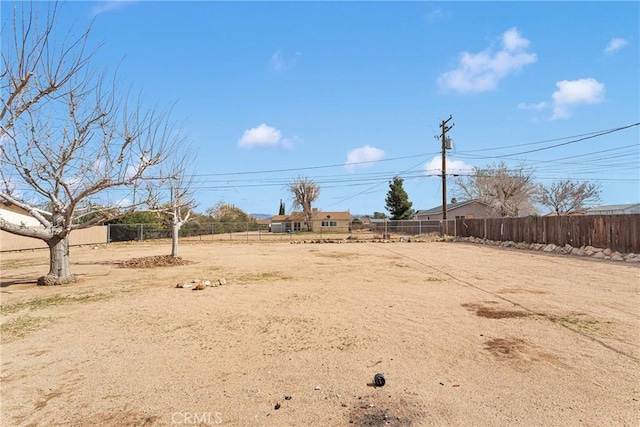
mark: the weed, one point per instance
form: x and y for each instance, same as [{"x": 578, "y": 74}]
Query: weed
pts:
[
  {"x": 268, "y": 275},
  {"x": 50, "y": 301},
  {"x": 21, "y": 326}
]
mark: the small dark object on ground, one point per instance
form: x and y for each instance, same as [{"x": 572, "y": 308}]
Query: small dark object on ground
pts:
[
  {"x": 456, "y": 385},
  {"x": 287, "y": 398},
  {"x": 277, "y": 406},
  {"x": 441, "y": 383},
  {"x": 378, "y": 380}
]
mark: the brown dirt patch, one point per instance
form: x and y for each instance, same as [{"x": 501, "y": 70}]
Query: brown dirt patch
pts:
[
  {"x": 509, "y": 347},
  {"x": 494, "y": 312}
]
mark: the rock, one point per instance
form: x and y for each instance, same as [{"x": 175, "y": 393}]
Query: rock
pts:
[
  {"x": 589, "y": 252},
  {"x": 222, "y": 281},
  {"x": 636, "y": 259},
  {"x": 575, "y": 251},
  {"x": 207, "y": 283},
  {"x": 195, "y": 280},
  {"x": 180, "y": 285},
  {"x": 597, "y": 249},
  {"x": 607, "y": 252},
  {"x": 200, "y": 286},
  {"x": 549, "y": 248},
  {"x": 598, "y": 255},
  {"x": 616, "y": 256}
]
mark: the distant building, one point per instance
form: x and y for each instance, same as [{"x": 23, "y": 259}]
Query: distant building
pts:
[
  {"x": 469, "y": 209},
  {"x": 320, "y": 222},
  {"x": 629, "y": 208},
  {"x": 17, "y": 215}
]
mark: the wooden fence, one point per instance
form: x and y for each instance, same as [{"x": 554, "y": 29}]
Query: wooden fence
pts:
[
  {"x": 616, "y": 232},
  {"x": 85, "y": 236}
]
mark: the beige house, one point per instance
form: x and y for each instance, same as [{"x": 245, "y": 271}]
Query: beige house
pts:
[
  {"x": 17, "y": 215},
  {"x": 321, "y": 222},
  {"x": 469, "y": 209}
]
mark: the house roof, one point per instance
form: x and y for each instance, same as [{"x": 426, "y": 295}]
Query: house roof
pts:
[
  {"x": 13, "y": 208},
  {"x": 628, "y": 207},
  {"x": 450, "y": 206},
  {"x": 316, "y": 216}
]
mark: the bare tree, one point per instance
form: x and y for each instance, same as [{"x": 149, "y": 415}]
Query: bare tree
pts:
[
  {"x": 508, "y": 192},
  {"x": 304, "y": 192},
  {"x": 69, "y": 139},
  {"x": 173, "y": 200},
  {"x": 565, "y": 197}
]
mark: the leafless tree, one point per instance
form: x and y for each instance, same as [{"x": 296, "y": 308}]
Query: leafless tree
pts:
[
  {"x": 69, "y": 138},
  {"x": 304, "y": 192},
  {"x": 565, "y": 197},
  {"x": 173, "y": 199},
  {"x": 508, "y": 192}
]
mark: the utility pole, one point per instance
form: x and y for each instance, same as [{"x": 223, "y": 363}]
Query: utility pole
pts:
[{"x": 446, "y": 145}]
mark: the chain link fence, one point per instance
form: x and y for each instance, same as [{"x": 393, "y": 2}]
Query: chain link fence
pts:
[{"x": 385, "y": 230}]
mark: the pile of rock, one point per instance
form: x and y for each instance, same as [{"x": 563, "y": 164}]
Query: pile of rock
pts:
[
  {"x": 583, "y": 251},
  {"x": 199, "y": 285}
]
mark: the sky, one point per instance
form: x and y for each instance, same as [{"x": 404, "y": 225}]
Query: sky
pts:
[{"x": 351, "y": 94}]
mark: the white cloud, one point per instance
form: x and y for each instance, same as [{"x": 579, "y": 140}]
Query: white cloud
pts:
[
  {"x": 575, "y": 92},
  {"x": 454, "y": 167},
  {"x": 260, "y": 136},
  {"x": 536, "y": 106},
  {"x": 362, "y": 157},
  {"x": 265, "y": 136},
  {"x": 279, "y": 62},
  {"x": 290, "y": 142},
  {"x": 433, "y": 15},
  {"x": 482, "y": 71},
  {"x": 615, "y": 45},
  {"x": 109, "y": 5}
]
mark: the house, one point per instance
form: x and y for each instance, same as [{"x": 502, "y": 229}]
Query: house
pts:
[
  {"x": 320, "y": 222},
  {"x": 16, "y": 215},
  {"x": 469, "y": 209},
  {"x": 19, "y": 216},
  {"x": 629, "y": 208}
]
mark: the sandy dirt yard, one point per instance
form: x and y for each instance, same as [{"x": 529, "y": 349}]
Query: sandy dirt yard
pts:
[{"x": 464, "y": 335}]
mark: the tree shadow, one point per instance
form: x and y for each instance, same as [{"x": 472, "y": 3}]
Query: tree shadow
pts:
[{"x": 7, "y": 283}]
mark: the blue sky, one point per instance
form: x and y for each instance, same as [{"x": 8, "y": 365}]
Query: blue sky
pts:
[{"x": 351, "y": 94}]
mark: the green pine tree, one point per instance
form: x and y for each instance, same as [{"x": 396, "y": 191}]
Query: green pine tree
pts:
[
  {"x": 397, "y": 201},
  {"x": 281, "y": 211}
]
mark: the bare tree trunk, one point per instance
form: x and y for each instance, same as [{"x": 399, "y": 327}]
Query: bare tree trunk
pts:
[
  {"x": 175, "y": 231},
  {"x": 59, "y": 268}
]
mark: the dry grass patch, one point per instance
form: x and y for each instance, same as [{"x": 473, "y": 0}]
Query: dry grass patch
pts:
[
  {"x": 263, "y": 277},
  {"x": 21, "y": 326},
  {"x": 50, "y": 301},
  {"x": 153, "y": 261}
]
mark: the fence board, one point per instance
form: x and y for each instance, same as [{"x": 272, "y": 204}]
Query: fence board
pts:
[
  {"x": 85, "y": 236},
  {"x": 617, "y": 232}
]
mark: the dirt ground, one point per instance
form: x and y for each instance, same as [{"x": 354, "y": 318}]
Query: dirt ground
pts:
[{"x": 464, "y": 335}]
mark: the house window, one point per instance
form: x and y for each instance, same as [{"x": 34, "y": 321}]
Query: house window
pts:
[
  {"x": 296, "y": 226},
  {"x": 329, "y": 223}
]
